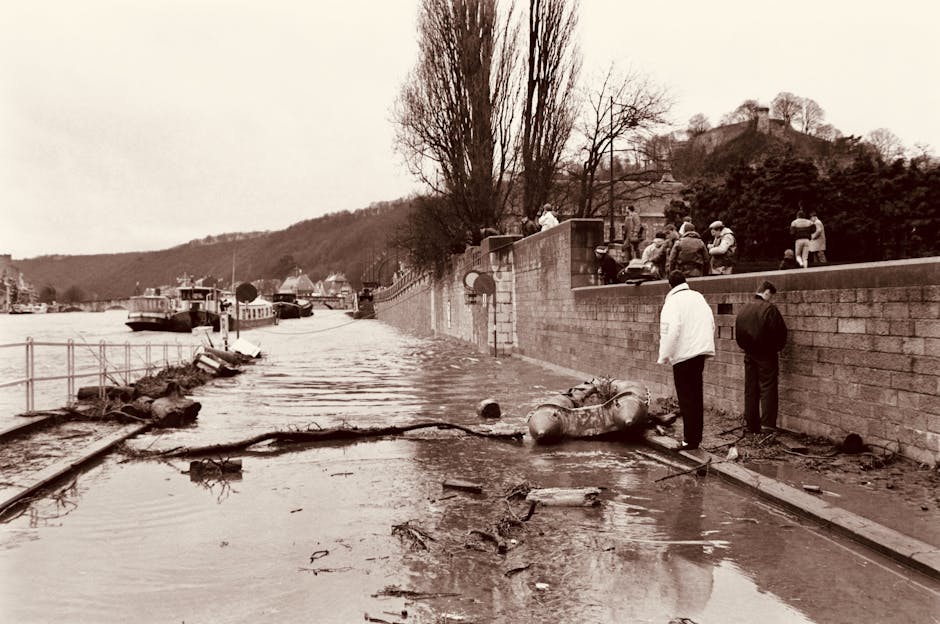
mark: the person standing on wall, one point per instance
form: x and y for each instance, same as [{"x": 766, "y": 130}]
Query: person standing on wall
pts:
[
  {"x": 761, "y": 332},
  {"x": 686, "y": 339},
  {"x": 801, "y": 229},
  {"x": 632, "y": 232},
  {"x": 547, "y": 218},
  {"x": 722, "y": 249},
  {"x": 817, "y": 241},
  {"x": 529, "y": 227},
  {"x": 689, "y": 255}
]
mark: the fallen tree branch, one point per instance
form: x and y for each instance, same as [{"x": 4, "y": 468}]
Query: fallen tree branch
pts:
[
  {"x": 339, "y": 433},
  {"x": 706, "y": 464}
]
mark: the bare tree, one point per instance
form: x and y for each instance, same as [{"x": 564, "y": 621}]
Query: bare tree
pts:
[
  {"x": 454, "y": 114},
  {"x": 698, "y": 124},
  {"x": 810, "y": 116},
  {"x": 827, "y": 132},
  {"x": 552, "y": 71},
  {"x": 886, "y": 144},
  {"x": 746, "y": 111},
  {"x": 626, "y": 107},
  {"x": 786, "y": 106}
]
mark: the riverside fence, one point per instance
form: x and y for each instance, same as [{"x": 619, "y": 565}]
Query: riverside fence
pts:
[{"x": 51, "y": 365}]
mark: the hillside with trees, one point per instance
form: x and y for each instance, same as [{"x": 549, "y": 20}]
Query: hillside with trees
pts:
[{"x": 354, "y": 243}]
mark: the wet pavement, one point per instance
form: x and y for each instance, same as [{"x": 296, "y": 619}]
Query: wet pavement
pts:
[{"x": 307, "y": 534}]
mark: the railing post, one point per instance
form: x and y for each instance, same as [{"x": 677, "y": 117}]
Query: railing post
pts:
[
  {"x": 70, "y": 370},
  {"x": 102, "y": 368},
  {"x": 30, "y": 368},
  {"x": 127, "y": 363}
]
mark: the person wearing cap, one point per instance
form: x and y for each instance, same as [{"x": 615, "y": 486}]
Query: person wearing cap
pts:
[
  {"x": 760, "y": 331},
  {"x": 722, "y": 250},
  {"x": 607, "y": 266},
  {"x": 686, "y": 339}
]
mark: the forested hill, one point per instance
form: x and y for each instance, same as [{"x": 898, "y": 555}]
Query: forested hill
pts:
[{"x": 345, "y": 242}]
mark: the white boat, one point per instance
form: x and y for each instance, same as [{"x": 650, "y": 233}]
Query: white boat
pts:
[
  {"x": 256, "y": 313},
  {"x": 29, "y": 308},
  {"x": 152, "y": 312}
]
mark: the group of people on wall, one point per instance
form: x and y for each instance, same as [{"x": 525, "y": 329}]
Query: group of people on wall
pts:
[{"x": 683, "y": 249}]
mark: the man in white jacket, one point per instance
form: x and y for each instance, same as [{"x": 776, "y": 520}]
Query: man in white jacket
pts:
[{"x": 686, "y": 338}]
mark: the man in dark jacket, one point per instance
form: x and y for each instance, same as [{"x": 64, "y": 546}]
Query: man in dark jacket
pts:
[
  {"x": 689, "y": 255},
  {"x": 607, "y": 266},
  {"x": 761, "y": 332}
]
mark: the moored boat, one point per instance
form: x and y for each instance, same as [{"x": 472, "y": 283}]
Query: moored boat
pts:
[
  {"x": 287, "y": 305},
  {"x": 198, "y": 306},
  {"x": 152, "y": 312},
  {"x": 584, "y": 412},
  {"x": 29, "y": 308},
  {"x": 364, "y": 307},
  {"x": 256, "y": 313}
]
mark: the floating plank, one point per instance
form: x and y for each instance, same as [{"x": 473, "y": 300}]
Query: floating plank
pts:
[
  {"x": 566, "y": 497},
  {"x": 467, "y": 486}
]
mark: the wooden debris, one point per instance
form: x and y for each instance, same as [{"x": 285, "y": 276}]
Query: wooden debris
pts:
[
  {"x": 324, "y": 435},
  {"x": 174, "y": 410},
  {"x": 566, "y": 497},
  {"x": 466, "y": 486},
  {"x": 210, "y": 465},
  {"x": 418, "y": 537}
]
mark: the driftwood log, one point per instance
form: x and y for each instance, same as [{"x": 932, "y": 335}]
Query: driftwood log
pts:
[
  {"x": 324, "y": 435},
  {"x": 174, "y": 409},
  {"x": 566, "y": 497}
]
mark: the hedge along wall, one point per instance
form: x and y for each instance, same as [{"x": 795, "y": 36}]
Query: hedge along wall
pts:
[{"x": 863, "y": 354}]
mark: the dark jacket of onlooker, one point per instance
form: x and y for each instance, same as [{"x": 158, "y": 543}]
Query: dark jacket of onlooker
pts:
[
  {"x": 759, "y": 328},
  {"x": 608, "y": 268},
  {"x": 689, "y": 255}
]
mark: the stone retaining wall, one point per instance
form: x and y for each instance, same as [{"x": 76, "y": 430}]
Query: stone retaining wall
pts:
[{"x": 863, "y": 354}]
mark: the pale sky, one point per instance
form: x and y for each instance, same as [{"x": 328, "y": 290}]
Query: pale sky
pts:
[{"x": 132, "y": 125}]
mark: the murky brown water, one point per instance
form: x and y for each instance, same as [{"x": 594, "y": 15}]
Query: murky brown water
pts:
[{"x": 142, "y": 541}]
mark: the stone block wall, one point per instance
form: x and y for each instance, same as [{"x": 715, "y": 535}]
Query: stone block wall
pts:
[{"x": 864, "y": 343}]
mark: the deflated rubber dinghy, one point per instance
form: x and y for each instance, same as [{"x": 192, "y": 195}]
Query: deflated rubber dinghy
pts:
[{"x": 584, "y": 411}]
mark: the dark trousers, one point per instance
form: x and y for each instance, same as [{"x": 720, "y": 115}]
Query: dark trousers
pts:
[
  {"x": 760, "y": 391},
  {"x": 687, "y": 376}
]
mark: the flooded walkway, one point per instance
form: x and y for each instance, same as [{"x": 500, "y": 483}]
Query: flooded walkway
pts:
[{"x": 307, "y": 535}]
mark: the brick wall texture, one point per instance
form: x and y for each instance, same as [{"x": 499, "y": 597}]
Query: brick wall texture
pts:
[{"x": 864, "y": 340}]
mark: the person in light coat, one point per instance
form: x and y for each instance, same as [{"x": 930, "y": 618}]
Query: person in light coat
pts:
[
  {"x": 817, "y": 240},
  {"x": 722, "y": 249},
  {"x": 547, "y": 219},
  {"x": 686, "y": 339}
]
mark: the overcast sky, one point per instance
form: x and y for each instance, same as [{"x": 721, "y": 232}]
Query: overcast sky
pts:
[{"x": 141, "y": 124}]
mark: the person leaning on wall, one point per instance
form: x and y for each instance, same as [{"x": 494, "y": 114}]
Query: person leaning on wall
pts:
[{"x": 759, "y": 329}]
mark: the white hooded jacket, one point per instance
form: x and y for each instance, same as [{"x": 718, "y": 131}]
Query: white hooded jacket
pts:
[{"x": 686, "y": 326}]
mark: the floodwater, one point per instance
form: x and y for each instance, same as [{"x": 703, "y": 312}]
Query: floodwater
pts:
[{"x": 306, "y": 534}]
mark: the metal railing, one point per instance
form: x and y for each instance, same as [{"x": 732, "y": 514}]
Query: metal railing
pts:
[{"x": 105, "y": 365}]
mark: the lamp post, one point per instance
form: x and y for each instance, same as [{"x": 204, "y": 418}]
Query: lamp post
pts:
[{"x": 611, "y": 189}]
